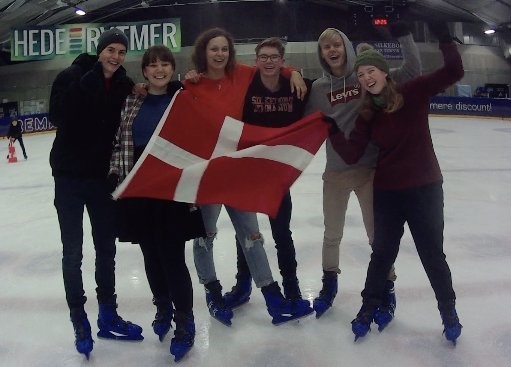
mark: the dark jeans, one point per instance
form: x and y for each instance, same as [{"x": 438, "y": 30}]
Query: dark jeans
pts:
[
  {"x": 281, "y": 232},
  {"x": 20, "y": 140},
  {"x": 71, "y": 196},
  {"x": 167, "y": 273},
  {"x": 423, "y": 209}
]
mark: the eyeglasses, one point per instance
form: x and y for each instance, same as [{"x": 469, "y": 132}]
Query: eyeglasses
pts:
[{"x": 264, "y": 58}]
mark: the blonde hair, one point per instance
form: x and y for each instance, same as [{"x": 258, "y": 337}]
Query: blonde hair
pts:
[{"x": 328, "y": 34}]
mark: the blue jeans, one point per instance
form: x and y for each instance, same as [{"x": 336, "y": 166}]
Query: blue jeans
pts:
[
  {"x": 72, "y": 195},
  {"x": 282, "y": 235},
  {"x": 246, "y": 227}
]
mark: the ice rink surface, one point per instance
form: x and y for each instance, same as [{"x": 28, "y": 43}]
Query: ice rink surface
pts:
[{"x": 475, "y": 156}]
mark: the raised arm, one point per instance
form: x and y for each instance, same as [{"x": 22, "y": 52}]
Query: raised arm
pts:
[
  {"x": 451, "y": 71},
  {"x": 411, "y": 66}
]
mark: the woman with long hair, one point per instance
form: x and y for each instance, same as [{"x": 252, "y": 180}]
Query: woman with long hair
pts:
[
  {"x": 407, "y": 182},
  {"x": 221, "y": 83}
]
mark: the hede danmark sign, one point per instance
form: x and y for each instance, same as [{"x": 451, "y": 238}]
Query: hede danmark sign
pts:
[{"x": 43, "y": 43}]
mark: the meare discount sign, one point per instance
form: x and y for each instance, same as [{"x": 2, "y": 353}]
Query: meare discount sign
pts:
[{"x": 49, "y": 42}]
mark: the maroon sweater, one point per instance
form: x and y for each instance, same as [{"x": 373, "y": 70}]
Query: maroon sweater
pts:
[{"x": 406, "y": 157}]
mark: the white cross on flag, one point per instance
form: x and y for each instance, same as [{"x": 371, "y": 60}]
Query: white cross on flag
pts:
[{"x": 199, "y": 155}]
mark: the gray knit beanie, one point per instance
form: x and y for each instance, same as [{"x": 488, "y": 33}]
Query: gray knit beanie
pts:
[{"x": 113, "y": 35}]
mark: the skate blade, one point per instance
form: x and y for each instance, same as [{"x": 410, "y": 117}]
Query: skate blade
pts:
[
  {"x": 180, "y": 355},
  {"x": 361, "y": 335},
  {"x": 222, "y": 321},
  {"x": 161, "y": 336},
  {"x": 452, "y": 340},
  {"x": 282, "y": 319},
  {"x": 104, "y": 334},
  {"x": 320, "y": 309},
  {"x": 320, "y": 313},
  {"x": 382, "y": 327},
  {"x": 359, "y": 331},
  {"x": 383, "y": 320},
  {"x": 181, "y": 352}
]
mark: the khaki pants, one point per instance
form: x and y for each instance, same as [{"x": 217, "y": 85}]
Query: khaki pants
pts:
[{"x": 337, "y": 187}]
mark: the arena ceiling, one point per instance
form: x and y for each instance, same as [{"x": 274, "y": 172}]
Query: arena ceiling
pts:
[{"x": 17, "y": 13}]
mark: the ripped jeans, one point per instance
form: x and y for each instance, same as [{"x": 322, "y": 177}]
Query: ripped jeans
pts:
[{"x": 246, "y": 226}]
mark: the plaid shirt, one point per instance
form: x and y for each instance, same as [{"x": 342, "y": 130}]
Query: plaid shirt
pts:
[{"x": 122, "y": 162}]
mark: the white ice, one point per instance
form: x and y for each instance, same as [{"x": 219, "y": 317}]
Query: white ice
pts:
[{"x": 475, "y": 155}]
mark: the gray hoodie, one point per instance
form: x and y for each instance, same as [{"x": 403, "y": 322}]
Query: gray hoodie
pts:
[{"x": 340, "y": 97}]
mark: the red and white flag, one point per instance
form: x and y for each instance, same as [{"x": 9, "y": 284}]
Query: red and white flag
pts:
[{"x": 199, "y": 155}]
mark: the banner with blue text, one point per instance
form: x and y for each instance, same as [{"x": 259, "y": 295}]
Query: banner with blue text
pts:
[{"x": 491, "y": 107}]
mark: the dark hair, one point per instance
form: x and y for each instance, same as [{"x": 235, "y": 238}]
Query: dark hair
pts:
[
  {"x": 199, "y": 58},
  {"x": 274, "y": 42},
  {"x": 158, "y": 52}
]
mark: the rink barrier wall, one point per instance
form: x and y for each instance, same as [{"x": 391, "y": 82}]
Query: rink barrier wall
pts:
[
  {"x": 29, "y": 123},
  {"x": 466, "y": 106},
  {"x": 440, "y": 105}
]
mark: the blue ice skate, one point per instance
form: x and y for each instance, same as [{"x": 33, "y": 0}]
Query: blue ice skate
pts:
[
  {"x": 162, "y": 320},
  {"x": 327, "y": 294},
  {"x": 385, "y": 312},
  {"x": 216, "y": 305},
  {"x": 361, "y": 325},
  {"x": 451, "y": 322},
  {"x": 184, "y": 335},
  {"x": 292, "y": 293},
  {"x": 282, "y": 310},
  {"x": 112, "y": 326},
  {"x": 83, "y": 337},
  {"x": 240, "y": 293}
]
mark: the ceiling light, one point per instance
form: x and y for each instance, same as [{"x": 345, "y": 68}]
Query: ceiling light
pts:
[
  {"x": 80, "y": 12},
  {"x": 489, "y": 31}
]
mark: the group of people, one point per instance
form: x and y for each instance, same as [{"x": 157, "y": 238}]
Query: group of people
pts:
[{"x": 379, "y": 148}]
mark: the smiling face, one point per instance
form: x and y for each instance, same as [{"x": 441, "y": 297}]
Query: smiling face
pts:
[
  {"x": 269, "y": 61},
  {"x": 334, "y": 53},
  {"x": 158, "y": 74},
  {"x": 217, "y": 56},
  {"x": 371, "y": 78},
  {"x": 112, "y": 58}
]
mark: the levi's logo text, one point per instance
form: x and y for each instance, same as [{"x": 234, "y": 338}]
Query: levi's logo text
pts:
[{"x": 344, "y": 95}]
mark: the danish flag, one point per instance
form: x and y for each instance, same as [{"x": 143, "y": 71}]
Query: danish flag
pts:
[{"x": 198, "y": 155}]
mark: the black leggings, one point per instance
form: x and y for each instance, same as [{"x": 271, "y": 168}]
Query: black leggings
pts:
[
  {"x": 167, "y": 273},
  {"x": 422, "y": 208}
]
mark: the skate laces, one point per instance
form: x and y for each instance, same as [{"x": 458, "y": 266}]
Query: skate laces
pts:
[
  {"x": 81, "y": 327},
  {"x": 119, "y": 322}
]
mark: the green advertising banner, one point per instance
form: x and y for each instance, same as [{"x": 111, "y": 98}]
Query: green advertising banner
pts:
[{"x": 49, "y": 42}]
